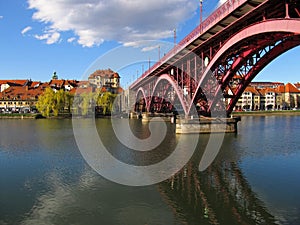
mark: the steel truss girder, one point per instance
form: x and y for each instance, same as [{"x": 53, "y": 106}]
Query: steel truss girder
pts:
[
  {"x": 286, "y": 31},
  {"x": 272, "y": 54}
]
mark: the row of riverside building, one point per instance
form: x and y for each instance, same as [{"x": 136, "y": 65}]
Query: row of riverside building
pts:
[
  {"x": 269, "y": 96},
  {"x": 22, "y": 95}
]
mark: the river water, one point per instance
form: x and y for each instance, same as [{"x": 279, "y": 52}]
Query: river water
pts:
[{"x": 254, "y": 179}]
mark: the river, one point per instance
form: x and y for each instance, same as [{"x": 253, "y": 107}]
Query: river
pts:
[{"x": 44, "y": 178}]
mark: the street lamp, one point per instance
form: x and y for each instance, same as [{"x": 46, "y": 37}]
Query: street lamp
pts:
[
  {"x": 175, "y": 36},
  {"x": 201, "y": 7},
  {"x": 159, "y": 53}
]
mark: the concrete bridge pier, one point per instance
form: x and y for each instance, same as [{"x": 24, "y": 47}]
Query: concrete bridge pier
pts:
[
  {"x": 206, "y": 125},
  {"x": 202, "y": 125},
  {"x": 168, "y": 117}
]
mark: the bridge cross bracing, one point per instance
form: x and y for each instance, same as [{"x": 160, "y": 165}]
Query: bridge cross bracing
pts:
[{"x": 212, "y": 66}]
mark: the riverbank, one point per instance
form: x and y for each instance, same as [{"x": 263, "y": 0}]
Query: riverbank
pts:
[
  {"x": 268, "y": 113},
  {"x": 32, "y": 116},
  {"x": 67, "y": 116},
  {"x": 18, "y": 116},
  {"x": 39, "y": 116}
]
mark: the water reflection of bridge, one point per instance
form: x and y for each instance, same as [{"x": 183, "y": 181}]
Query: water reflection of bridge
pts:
[{"x": 220, "y": 195}]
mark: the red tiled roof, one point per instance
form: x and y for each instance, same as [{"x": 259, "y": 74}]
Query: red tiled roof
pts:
[
  {"x": 297, "y": 85},
  {"x": 79, "y": 91},
  {"x": 290, "y": 88},
  {"x": 102, "y": 73},
  {"x": 115, "y": 75},
  {"x": 271, "y": 90},
  {"x": 61, "y": 83},
  {"x": 35, "y": 84},
  {"x": 20, "y": 93},
  {"x": 263, "y": 91},
  {"x": 253, "y": 90},
  {"x": 57, "y": 83},
  {"x": 71, "y": 82},
  {"x": 14, "y": 82},
  {"x": 281, "y": 89}
]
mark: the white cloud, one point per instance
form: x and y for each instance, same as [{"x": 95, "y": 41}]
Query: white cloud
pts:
[
  {"x": 95, "y": 21},
  {"x": 150, "y": 48},
  {"x": 25, "y": 30},
  {"x": 51, "y": 37},
  {"x": 70, "y": 40},
  {"x": 1, "y": 17}
]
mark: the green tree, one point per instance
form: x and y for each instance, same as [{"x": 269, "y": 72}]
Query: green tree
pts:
[
  {"x": 85, "y": 102},
  {"x": 88, "y": 102},
  {"x": 45, "y": 102},
  {"x": 76, "y": 104},
  {"x": 54, "y": 102},
  {"x": 69, "y": 99},
  {"x": 58, "y": 102},
  {"x": 105, "y": 101}
]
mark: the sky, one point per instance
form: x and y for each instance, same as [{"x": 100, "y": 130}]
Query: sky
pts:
[{"x": 73, "y": 37}]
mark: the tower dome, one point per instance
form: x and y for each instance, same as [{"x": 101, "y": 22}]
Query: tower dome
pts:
[{"x": 54, "y": 77}]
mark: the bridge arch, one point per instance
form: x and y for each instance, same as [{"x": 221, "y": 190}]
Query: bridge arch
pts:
[
  {"x": 141, "y": 94},
  {"x": 283, "y": 35},
  {"x": 184, "y": 101}
]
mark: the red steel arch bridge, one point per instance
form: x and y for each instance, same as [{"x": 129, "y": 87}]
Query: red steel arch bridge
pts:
[{"x": 211, "y": 67}]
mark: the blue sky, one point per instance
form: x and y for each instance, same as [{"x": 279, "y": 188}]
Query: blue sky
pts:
[{"x": 39, "y": 37}]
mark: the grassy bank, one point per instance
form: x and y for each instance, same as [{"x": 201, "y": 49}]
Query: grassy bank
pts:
[{"x": 268, "y": 113}]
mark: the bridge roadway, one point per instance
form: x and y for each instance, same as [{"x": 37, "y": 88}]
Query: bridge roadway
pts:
[{"x": 211, "y": 67}]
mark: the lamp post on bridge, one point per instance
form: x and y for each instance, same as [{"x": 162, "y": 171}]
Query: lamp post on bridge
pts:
[
  {"x": 201, "y": 11},
  {"x": 175, "y": 36},
  {"x": 159, "y": 53}
]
